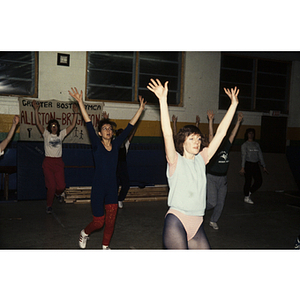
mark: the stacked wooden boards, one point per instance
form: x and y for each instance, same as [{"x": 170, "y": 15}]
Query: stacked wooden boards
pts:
[{"x": 82, "y": 194}]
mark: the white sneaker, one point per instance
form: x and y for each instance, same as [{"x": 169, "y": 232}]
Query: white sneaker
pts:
[
  {"x": 214, "y": 225},
  {"x": 105, "y": 247},
  {"x": 120, "y": 203},
  {"x": 248, "y": 200},
  {"x": 83, "y": 237}
]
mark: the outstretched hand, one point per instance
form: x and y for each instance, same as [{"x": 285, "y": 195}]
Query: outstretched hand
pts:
[
  {"x": 142, "y": 102},
  {"x": 105, "y": 115},
  {"x": 240, "y": 117},
  {"x": 75, "y": 108},
  {"x": 35, "y": 105},
  {"x": 232, "y": 94},
  {"x": 174, "y": 119},
  {"x": 75, "y": 94},
  {"x": 158, "y": 89},
  {"x": 16, "y": 120},
  {"x": 210, "y": 115}
]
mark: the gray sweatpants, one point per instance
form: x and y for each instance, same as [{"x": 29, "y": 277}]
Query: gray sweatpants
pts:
[{"x": 216, "y": 194}]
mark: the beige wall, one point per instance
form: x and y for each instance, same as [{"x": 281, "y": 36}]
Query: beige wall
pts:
[{"x": 201, "y": 89}]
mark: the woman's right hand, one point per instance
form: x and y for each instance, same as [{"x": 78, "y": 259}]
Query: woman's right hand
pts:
[
  {"x": 242, "y": 171},
  {"x": 158, "y": 89},
  {"x": 75, "y": 94}
]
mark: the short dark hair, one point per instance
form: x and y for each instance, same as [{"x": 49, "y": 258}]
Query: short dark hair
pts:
[
  {"x": 247, "y": 131},
  {"x": 104, "y": 122},
  {"x": 183, "y": 133},
  {"x": 52, "y": 121}
]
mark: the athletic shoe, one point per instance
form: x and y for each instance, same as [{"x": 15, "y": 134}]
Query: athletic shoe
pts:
[
  {"x": 214, "y": 225},
  {"x": 83, "y": 237},
  {"x": 297, "y": 243},
  {"x": 49, "y": 210},
  {"x": 105, "y": 247},
  {"x": 120, "y": 203},
  {"x": 60, "y": 197},
  {"x": 248, "y": 200}
]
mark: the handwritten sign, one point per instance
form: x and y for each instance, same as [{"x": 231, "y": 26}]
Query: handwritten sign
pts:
[{"x": 63, "y": 113}]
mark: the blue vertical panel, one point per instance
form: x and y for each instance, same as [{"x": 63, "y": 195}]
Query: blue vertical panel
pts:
[{"x": 30, "y": 177}]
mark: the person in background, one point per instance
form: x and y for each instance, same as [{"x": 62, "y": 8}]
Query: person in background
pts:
[
  {"x": 10, "y": 134},
  {"x": 186, "y": 160},
  {"x": 122, "y": 170},
  {"x": 217, "y": 171},
  {"x": 252, "y": 159},
  {"x": 53, "y": 165},
  {"x": 104, "y": 194}
]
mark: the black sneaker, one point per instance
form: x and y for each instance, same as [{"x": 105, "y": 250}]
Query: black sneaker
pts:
[
  {"x": 297, "y": 243},
  {"x": 49, "y": 210}
]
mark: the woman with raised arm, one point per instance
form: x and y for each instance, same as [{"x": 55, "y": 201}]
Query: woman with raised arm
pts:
[
  {"x": 252, "y": 160},
  {"x": 187, "y": 157},
  {"x": 104, "y": 195},
  {"x": 53, "y": 165}
]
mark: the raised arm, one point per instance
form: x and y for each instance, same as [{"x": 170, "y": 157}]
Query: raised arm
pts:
[
  {"x": 236, "y": 127},
  {"x": 10, "y": 134},
  {"x": 161, "y": 93},
  {"x": 197, "y": 121},
  {"x": 37, "y": 119},
  {"x": 139, "y": 111},
  {"x": 174, "y": 122},
  {"x": 223, "y": 126},
  {"x": 78, "y": 98},
  {"x": 210, "y": 116},
  {"x": 70, "y": 127}
]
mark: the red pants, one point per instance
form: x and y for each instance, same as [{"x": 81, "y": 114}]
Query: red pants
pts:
[
  {"x": 54, "y": 173},
  {"x": 109, "y": 219}
]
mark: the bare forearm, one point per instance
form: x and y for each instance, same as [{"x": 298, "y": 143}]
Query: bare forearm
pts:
[
  {"x": 37, "y": 121},
  {"x": 165, "y": 118},
  {"x": 224, "y": 125},
  {"x": 210, "y": 130},
  {"x": 174, "y": 127},
  {"x": 234, "y": 131},
  {"x": 70, "y": 128},
  {"x": 222, "y": 130},
  {"x": 136, "y": 116}
]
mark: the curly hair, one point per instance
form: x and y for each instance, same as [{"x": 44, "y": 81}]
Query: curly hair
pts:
[
  {"x": 104, "y": 122},
  {"x": 53, "y": 121},
  {"x": 183, "y": 133}
]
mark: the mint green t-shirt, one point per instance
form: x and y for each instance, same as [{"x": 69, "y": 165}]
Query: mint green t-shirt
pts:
[{"x": 188, "y": 185}]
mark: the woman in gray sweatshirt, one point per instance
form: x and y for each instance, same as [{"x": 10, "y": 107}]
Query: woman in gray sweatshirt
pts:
[{"x": 252, "y": 158}]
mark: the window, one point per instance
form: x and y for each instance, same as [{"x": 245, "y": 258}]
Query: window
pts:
[
  {"x": 122, "y": 76},
  {"x": 18, "y": 74},
  {"x": 264, "y": 84}
]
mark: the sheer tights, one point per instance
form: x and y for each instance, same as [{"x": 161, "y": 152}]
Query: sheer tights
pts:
[{"x": 175, "y": 237}]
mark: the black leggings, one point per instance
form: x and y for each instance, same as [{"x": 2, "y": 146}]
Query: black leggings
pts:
[
  {"x": 252, "y": 170},
  {"x": 175, "y": 237}
]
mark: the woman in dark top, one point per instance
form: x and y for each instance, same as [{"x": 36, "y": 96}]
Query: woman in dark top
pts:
[{"x": 104, "y": 195}]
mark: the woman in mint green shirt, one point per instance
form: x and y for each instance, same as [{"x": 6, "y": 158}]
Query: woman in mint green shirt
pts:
[{"x": 186, "y": 157}]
